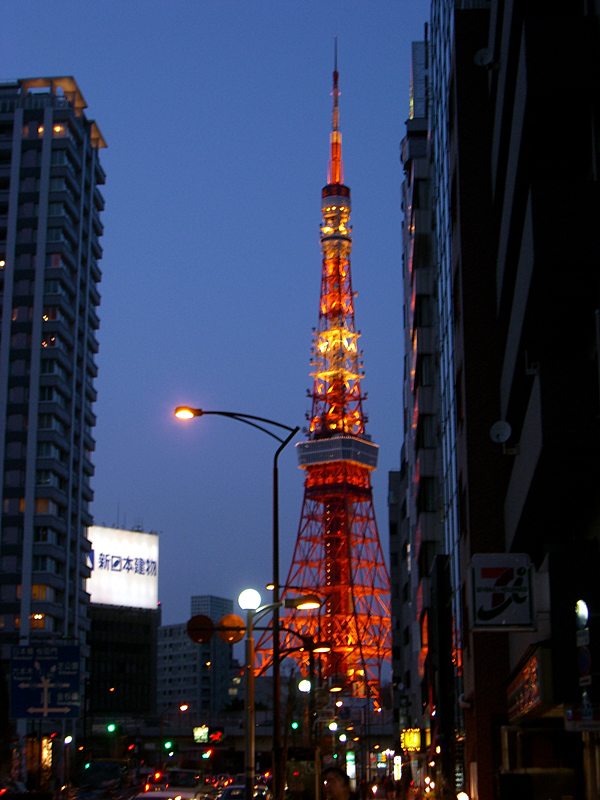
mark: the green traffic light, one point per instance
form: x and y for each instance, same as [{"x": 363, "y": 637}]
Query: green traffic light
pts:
[
  {"x": 295, "y": 725},
  {"x": 168, "y": 745},
  {"x": 111, "y": 727}
]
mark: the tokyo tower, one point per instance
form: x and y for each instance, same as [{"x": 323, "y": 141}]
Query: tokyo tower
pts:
[{"x": 338, "y": 555}]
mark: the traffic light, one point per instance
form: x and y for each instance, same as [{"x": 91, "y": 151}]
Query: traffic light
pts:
[
  {"x": 216, "y": 735},
  {"x": 168, "y": 744},
  {"x": 111, "y": 727},
  {"x": 295, "y": 725}
]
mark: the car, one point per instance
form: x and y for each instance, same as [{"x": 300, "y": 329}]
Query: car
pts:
[
  {"x": 238, "y": 792},
  {"x": 107, "y": 774},
  {"x": 185, "y": 779},
  {"x": 155, "y": 780},
  {"x": 169, "y": 794},
  {"x": 233, "y": 792}
]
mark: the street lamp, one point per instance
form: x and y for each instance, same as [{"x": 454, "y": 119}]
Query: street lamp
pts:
[
  {"x": 185, "y": 412},
  {"x": 250, "y": 601},
  {"x": 67, "y": 741}
]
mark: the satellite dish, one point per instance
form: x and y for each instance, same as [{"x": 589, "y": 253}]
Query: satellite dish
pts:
[{"x": 500, "y": 431}]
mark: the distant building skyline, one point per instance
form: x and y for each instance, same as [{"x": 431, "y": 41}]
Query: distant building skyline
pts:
[{"x": 197, "y": 674}]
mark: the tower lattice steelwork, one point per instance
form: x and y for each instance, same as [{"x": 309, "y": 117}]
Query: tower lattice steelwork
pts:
[{"x": 338, "y": 554}]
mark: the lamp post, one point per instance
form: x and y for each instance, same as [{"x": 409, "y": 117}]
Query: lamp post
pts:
[
  {"x": 67, "y": 741},
  {"x": 185, "y": 412},
  {"x": 249, "y": 600}
]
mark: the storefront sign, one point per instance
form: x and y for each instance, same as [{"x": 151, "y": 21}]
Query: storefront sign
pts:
[{"x": 501, "y": 586}]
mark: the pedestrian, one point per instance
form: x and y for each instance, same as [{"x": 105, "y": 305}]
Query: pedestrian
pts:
[
  {"x": 389, "y": 786},
  {"x": 337, "y": 785}
]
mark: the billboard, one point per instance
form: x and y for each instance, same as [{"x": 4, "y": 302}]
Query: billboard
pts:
[{"x": 124, "y": 567}]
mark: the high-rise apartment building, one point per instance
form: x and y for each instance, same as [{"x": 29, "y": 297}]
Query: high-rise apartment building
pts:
[{"x": 50, "y": 228}]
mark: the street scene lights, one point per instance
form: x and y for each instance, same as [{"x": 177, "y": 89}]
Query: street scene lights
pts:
[
  {"x": 186, "y": 412},
  {"x": 250, "y": 602}
]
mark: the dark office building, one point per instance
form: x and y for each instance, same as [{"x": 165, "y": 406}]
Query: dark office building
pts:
[
  {"x": 123, "y": 643},
  {"x": 514, "y": 132}
]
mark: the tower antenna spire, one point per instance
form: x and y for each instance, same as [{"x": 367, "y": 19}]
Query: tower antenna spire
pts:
[{"x": 335, "y": 172}]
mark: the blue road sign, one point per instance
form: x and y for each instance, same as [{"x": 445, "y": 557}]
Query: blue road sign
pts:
[{"x": 45, "y": 681}]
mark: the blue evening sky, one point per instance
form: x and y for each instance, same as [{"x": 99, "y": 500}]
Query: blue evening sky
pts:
[{"x": 217, "y": 118}]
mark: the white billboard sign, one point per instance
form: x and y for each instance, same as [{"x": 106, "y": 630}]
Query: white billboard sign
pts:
[{"x": 124, "y": 567}]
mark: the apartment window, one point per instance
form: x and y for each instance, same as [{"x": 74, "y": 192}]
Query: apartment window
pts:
[
  {"x": 31, "y": 158},
  {"x": 44, "y": 564},
  {"x": 47, "y": 394},
  {"x": 57, "y": 184},
  {"x": 20, "y": 340},
  {"x": 18, "y": 394},
  {"x": 43, "y": 505},
  {"x": 427, "y": 499},
  {"x": 15, "y": 450},
  {"x": 45, "y": 477},
  {"x": 51, "y": 340},
  {"x": 51, "y": 313},
  {"x": 58, "y": 158},
  {"x": 425, "y": 370},
  {"x": 420, "y": 198},
  {"x": 22, "y": 313},
  {"x": 41, "y": 592},
  {"x": 29, "y": 184},
  {"x": 28, "y": 210},
  {"x": 14, "y": 477},
  {"x": 426, "y": 431},
  {"x": 12, "y": 534},
  {"x": 41, "y": 622},
  {"x": 43, "y": 534},
  {"x": 50, "y": 367},
  {"x": 16, "y": 422},
  {"x": 50, "y": 422},
  {"x": 424, "y": 311},
  {"x": 55, "y": 260},
  {"x": 10, "y": 563}
]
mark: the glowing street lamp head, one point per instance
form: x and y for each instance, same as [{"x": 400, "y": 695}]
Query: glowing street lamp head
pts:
[
  {"x": 249, "y": 600},
  {"x": 184, "y": 412},
  {"x": 304, "y": 685},
  {"x": 303, "y": 603}
]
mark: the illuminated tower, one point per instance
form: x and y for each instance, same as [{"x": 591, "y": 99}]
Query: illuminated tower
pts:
[{"x": 338, "y": 554}]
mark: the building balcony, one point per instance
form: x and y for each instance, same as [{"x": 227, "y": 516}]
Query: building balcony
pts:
[
  {"x": 425, "y": 400},
  {"x": 424, "y": 281}
]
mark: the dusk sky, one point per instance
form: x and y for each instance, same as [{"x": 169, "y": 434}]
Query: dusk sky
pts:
[{"x": 217, "y": 118}]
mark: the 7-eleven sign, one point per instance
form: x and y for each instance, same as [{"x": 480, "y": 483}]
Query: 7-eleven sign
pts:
[{"x": 501, "y": 591}]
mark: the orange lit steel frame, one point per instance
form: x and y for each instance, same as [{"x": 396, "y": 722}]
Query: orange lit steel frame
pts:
[{"x": 338, "y": 554}]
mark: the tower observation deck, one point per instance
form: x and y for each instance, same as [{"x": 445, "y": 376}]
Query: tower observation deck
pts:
[{"x": 338, "y": 554}]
